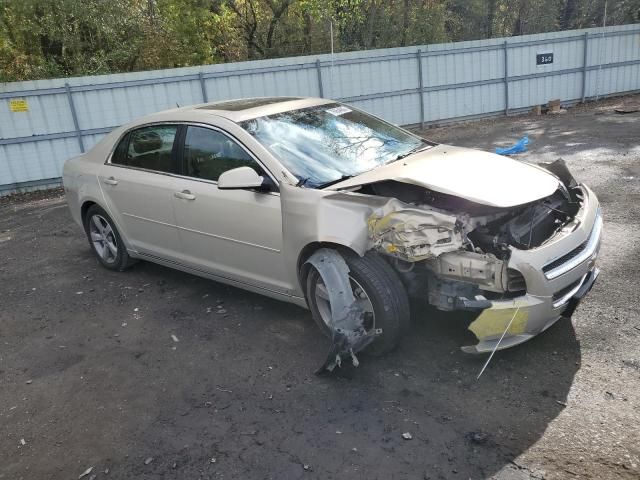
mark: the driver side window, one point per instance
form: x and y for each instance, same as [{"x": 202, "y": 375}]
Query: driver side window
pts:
[{"x": 208, "y": 154}]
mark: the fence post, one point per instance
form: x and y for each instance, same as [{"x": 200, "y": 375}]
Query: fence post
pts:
[
  {"x": 420, "y": 87},
  {"x": 319, "y": 70},
  {"x": 203, "y": 87},
  {"x": 74, "y": 116},
  {"x": 584, "y": 66},
  {"x": 506, "y": 79}
]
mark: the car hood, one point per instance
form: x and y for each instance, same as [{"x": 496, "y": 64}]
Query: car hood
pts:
[{"x": 474, "y": 175}]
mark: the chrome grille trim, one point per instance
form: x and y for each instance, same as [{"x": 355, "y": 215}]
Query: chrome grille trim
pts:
[
  {"x": 558, "y": 302},
  {"x": 586, "y": 251}
]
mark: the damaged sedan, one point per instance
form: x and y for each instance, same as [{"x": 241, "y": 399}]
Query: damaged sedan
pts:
[{"x": 320, "y": 204}]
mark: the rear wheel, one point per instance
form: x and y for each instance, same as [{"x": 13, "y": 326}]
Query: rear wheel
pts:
[
  {"x": 378, "y": 290},
  {"x": 105, "y": 240}
]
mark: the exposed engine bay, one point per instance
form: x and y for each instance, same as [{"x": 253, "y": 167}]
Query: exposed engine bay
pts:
[
  {"x": 487, "y": 229},
  {"x": 472, "y": 241}
]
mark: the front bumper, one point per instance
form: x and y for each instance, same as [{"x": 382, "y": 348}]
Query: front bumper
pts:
[{"x": 557, "y": 274}]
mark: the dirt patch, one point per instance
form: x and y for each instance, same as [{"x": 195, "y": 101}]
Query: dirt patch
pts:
[
  {"x": 91, "y": 376},
  {"x": 27, "y": 197}
]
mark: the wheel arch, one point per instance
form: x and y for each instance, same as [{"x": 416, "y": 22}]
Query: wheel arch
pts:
[
  {"x": 84, "y": 208},
  {"x": 378, "y": 280},
  {"x": 308, "y": 250}
]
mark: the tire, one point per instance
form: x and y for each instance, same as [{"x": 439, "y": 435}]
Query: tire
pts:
[
  {"x": 385, "y": 292},
  {"x": 98, "y": 223}
]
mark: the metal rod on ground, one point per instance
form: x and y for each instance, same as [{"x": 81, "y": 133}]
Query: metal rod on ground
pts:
[
  {"x": 75, "y": 117},
  {"x": 498, "y": 344}
]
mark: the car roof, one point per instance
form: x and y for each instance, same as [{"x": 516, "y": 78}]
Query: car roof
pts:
[
  {"x": 246, "y": 103},
  {"x": 236, "y": 110}
]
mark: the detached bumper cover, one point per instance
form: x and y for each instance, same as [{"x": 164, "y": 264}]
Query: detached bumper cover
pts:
[{"x": 558, "y": 275}]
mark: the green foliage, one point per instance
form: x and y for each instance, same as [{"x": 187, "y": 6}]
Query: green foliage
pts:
[{"x": 57, "y": 38}]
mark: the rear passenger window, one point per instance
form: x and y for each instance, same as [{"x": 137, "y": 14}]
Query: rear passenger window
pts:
[
  {"x": 208, "y": 154},
  {"x": 149, "y": 148},
  {"x": 120, "y": 154}
]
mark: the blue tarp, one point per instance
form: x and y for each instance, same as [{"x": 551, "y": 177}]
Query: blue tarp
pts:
[{"x": 519, "y": 147}]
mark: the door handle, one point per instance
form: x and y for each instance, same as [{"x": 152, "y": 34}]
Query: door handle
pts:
[
  {"x": 110, "y": 181},
  {"x": 185, "y": 195}
]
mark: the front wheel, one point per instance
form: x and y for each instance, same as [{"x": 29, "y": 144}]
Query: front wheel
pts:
[
  {"x": 378, "y": 290},
  {"x": 105, "y": 240}
]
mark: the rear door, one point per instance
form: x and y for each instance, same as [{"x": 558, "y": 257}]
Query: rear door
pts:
[
  {"x": 236, "y": 234},
  {"x": 138, "y": 184}
]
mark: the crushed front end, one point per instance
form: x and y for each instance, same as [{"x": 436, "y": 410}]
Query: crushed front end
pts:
[{"x": 522, "y": 268}]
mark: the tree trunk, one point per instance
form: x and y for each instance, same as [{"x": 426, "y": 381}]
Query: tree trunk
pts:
[
  {"x": 517, "y": 27},
  {"x": 368, "y": 37},
  {"x": 405, "y": 23},
  {"x": 249, "y": 24},
  {"x": 518, "y": 24},
  {"x": 567, "y": 15},
  {"x": 276, "y": 14},
  {"x": 151, "y": 11},
  {"x": 307, "y": 32},
  {"x": 491, "y": 16}
]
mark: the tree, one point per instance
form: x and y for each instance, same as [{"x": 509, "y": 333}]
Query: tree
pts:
[{"x": 54, "y": 38}]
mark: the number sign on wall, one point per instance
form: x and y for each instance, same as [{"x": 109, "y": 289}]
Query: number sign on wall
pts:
[{"x": 544, "y": 58}]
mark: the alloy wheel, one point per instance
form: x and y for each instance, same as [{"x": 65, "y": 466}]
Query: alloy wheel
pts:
[
  {"x": 324, "y": 307},
  {"x": 103, "y": 238}
]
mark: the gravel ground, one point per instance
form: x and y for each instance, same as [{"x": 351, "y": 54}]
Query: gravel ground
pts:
[{"x": 154, "y": 373}]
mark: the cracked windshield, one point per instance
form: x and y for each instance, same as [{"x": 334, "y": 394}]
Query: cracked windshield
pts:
[{"x": 325, "y": 144}]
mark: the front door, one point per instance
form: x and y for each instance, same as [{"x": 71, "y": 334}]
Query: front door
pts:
[
  {"x": 138, "y": 185},
  {"x": 236, "y": 234}
]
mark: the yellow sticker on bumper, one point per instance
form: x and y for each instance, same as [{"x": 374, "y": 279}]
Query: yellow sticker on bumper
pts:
[{"x": 492, "y": 322}]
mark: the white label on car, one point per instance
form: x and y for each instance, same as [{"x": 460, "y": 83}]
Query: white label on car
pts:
[{"x": 341, "y": 110}]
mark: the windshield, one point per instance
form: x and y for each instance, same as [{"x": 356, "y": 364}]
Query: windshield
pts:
[{"x": 324, "y": 144}]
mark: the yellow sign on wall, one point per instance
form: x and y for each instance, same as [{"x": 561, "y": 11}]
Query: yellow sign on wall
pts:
[{"x": 19, "y": 105}]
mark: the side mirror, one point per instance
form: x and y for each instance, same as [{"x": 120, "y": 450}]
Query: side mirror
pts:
[{"x": 242, "y": 178}]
